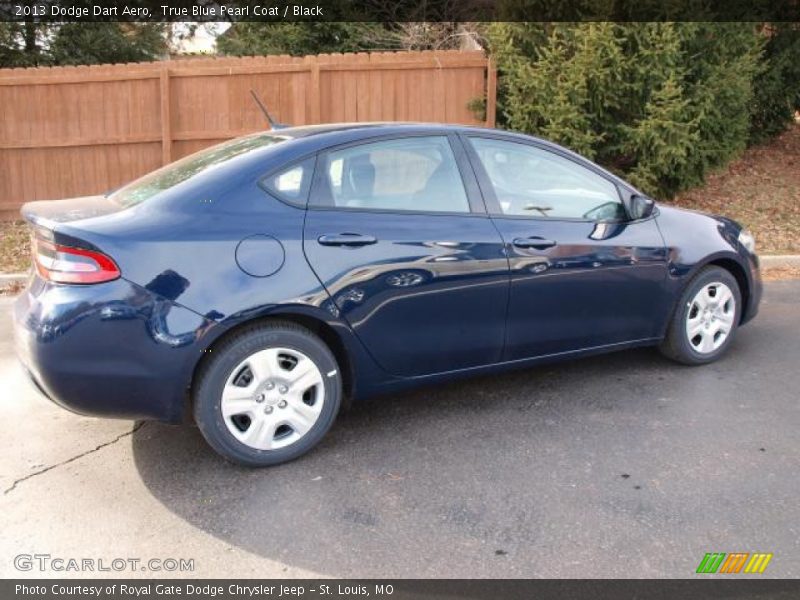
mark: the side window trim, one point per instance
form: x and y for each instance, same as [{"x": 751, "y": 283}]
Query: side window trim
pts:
[
  {"x": 320, "y": 188},
  {"x": 487, "y": 189},
  {"x": 477, "y": 204}
]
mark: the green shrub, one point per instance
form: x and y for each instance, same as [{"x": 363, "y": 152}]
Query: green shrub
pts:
[
  {"x": 777, "y": 86},
  {"x": 662, "y": 103}
]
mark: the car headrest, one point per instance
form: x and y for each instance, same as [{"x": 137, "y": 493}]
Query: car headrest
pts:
[{"x": 360, "y": 180}]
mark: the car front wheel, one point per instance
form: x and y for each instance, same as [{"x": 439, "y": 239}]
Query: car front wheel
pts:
[
  {"x": 705, "y": 319},
  {"x": 268, "y": 394}
]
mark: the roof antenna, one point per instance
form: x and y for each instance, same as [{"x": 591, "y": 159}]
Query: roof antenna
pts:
[{"x": 272, "y": 124}]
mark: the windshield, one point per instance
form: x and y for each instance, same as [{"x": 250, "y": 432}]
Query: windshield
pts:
[{"x": 179, "y": 171}]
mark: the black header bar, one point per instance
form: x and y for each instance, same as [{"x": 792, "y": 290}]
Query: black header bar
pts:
[
  {"x": 399, "y": 10},
  {"x": 731, "y": 588}
]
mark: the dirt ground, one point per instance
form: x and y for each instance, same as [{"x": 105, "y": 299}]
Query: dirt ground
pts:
[
  {"x": 761, "y": 190},
  {"x": 15, "y": 254}
]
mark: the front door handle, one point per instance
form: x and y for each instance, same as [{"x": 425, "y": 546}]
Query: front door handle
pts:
[
  {"x": 346, "y": 239},
  {"x": 534, "y": 242}
]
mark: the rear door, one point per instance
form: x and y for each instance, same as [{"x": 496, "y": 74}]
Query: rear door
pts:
[
  {"x": 582, "y": 274},
  {"x": 396, "y": 232}
]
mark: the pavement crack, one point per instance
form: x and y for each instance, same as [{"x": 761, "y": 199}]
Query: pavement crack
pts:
[{"x": 16, "y": 482}]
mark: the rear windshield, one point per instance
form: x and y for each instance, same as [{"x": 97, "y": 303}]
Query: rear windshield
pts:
[{"x": 185, "y": 168}]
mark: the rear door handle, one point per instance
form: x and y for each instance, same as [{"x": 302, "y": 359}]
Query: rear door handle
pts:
[
  {"x": 346, "y": 239},
  {"x": 534, "y": 242}
]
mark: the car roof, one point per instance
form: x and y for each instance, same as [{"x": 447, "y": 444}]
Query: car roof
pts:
[
  {"x": 370, "y": 127},
  {"x": 330, "y": 134},
  {"x": 318, "y": 137}
]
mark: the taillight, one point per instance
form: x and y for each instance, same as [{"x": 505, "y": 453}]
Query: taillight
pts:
[{"x": 63, "y": 264}]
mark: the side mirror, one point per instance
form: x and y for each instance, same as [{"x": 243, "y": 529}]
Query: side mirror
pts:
[{"x": 641, "y": 207}]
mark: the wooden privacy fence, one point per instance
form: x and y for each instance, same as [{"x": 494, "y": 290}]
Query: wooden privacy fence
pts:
[{"x": 72, "y": 131}]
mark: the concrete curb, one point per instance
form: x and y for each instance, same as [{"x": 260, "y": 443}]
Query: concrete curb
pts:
[
  {"x": 13, "y": 277},
  {"x": 769, "y": 261},
  {"x": 780, "y": 260}
]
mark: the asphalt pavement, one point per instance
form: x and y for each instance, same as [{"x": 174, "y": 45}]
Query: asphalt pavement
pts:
[{"x": 624, "y": 465}]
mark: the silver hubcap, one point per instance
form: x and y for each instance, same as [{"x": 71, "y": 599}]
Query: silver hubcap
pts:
[
  {"x": 272, "y": 398},
  {"x": 710, "y": 318}
]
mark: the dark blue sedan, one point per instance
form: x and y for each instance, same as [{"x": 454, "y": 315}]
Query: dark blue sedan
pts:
[{"x": 257, "y": 286}]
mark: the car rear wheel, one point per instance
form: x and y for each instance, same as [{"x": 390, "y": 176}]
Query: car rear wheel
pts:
[
  {"x": 706, "y": 318},
  {"x": 268, "y": 394}
]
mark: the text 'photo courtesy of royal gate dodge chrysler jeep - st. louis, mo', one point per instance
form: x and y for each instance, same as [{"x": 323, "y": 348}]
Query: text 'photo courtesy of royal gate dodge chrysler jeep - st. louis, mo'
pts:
[{"x": 259, "y": 285}]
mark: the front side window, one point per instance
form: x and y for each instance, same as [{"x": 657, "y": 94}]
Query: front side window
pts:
[
  {"x": 416, "y": 174},
  {"x": 533, "y": 182}
]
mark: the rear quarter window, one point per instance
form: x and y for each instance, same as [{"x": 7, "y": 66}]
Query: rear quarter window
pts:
[{"x": 291, "y": 183}]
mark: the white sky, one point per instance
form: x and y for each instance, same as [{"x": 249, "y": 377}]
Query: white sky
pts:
[{"x": 204, "y": 39}]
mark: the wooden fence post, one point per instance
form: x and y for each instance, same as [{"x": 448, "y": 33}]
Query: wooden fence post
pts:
[
  {"x": 166, "y": 118},
  {"x": 491, "y": 92}
]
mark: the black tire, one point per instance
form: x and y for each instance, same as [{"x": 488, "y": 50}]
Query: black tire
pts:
[
  {"x": 215, "y": 372},
  {"x": 676, "y": 344}
]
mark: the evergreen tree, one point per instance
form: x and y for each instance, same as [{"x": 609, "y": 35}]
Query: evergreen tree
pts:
[
  {"x": 21, "y": 44},
  {"x": 100, "y": 43},
  {"x": 777, "y": 85},
  {"x": 661, "y": 102},
  {"x": 32, "y": 44}
]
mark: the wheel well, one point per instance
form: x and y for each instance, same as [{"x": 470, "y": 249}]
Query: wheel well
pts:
[
  {"x": 738, "y": 272},
  {"x": 318, "y": 327}
]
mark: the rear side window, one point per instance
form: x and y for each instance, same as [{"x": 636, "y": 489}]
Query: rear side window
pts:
[
  {"x": 416, "y": 174},
  {"x": 292, "y": 183}
]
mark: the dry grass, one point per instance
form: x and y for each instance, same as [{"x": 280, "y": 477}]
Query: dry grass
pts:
[
  {"x": 15, "y": 253},
  {"x": 12, "y": 288},
  {"x": 761, "y": 190}
]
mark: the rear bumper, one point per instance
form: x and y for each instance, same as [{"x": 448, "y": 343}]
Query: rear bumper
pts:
[{"x": 109, "y": 350}]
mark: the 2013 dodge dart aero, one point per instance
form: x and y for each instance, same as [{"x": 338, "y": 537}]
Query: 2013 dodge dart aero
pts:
[{"x": 256, "y": 286}]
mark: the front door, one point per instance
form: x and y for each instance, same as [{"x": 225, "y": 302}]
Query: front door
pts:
[
  {"x": 409, "y": 258},
  {"x": 582, "y": 274}
]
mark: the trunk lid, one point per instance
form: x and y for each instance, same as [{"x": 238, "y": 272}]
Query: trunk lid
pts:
[{"x": 48, "y": 212}]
